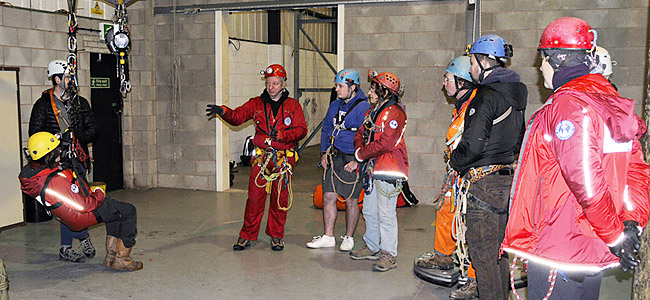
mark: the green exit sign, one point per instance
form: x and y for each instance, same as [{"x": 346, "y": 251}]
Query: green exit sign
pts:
[{"x": 100, "y": 83}]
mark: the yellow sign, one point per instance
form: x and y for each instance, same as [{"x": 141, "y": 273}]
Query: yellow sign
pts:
[{"x": 97, "y": 10}]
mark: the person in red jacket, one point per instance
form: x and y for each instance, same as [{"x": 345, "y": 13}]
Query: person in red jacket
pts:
[
  {"x": 55, "y": 187},
  {"x": 580, "y": 194},
  {"x": 381, "y": 149},
  {"x": 279, "y": 125}
]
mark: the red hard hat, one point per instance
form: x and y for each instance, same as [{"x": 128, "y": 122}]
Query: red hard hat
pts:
[
  {"x": 567, "y": 33},
  {"x": 387, "y": 79},
  {"x": 275, "y": 70}
]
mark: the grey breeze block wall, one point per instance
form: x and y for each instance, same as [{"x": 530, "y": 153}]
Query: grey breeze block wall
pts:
[
  {"x": 29, "y": 40},
  {"x": 164, "y": 150},
  {"x": 417, "y": 40}
]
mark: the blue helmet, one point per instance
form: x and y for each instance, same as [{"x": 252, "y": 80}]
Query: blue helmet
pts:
[
  {"x": 459, "y": 66},
  {"x": 492, "y": 45},
  {"x": 347, "y": 76}
]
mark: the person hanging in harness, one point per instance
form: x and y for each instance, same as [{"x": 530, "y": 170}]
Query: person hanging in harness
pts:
[
  {"x": 580, "y": 197},
  {"x": 55, "y": 113},
  {"x": 341, "y": 177},
  {"x": 381, "y": 150},
  {"x": 492, "y": 133},
  {"x": 458, "y": 85},
  {"x": 54, "y": 186},
  {"x": 279, "y": 125}
]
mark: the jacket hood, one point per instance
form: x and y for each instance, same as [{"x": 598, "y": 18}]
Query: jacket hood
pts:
[
  {"x": 32, "y": 180},
  {"x": 501, "y": 75},
  {"x": 616, "y": 111}
]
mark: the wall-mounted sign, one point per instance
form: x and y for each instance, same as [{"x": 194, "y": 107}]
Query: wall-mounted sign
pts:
[
  {"x": 100, "y": 83},
  {"x": 96, "y": 10},
  {"x": 103, "y": 29}
]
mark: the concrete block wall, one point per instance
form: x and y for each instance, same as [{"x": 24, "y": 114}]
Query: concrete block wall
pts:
[
  {"x": 30, "y": 39},
  {"x": 417, "y": 40}
]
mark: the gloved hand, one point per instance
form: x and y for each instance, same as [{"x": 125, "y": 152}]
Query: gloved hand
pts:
[
  {"x": 213, "y": 110},
  {"x": 627, "y": 249},
  {"x": 275, "y": 134}
]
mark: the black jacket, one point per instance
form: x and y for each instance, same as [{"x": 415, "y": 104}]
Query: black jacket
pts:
[
  {"x": 483, "y": 143},
  {"x": 43, "y": 119}
]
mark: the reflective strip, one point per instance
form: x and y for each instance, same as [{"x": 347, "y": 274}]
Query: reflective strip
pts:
[
  {"x": 585, "y": 156},
  {"x": 396, "y": 174},
  {"x": 618, "y": 240},
  {"x": 611, "y": 146},
  {"x": 38, "y": 198},
  {"x": 69, "y": 202},
  {"x": 563, "y": 266},
  {"x": 626, "y": 199}
]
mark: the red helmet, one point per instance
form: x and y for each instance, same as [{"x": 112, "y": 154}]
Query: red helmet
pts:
[
  {"x": 386, "y": 79},
  {"x": 274, "y": 70},
  {"x": 568, "y": 33}
]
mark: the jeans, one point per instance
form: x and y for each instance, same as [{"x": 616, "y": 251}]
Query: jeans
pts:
[
  {"x": 380, "y": 215},
  {"x": 67, "y": 235}
]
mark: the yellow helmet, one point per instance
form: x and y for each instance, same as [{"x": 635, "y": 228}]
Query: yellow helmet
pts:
[{"x": 41, "y": 143}]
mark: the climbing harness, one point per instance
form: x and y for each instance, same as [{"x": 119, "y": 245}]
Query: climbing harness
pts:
[
  {"x": 281, "y": 171},
  {"x": 330, "y": 162}
]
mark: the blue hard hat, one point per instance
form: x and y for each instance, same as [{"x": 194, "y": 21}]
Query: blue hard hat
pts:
[
  {"x": 491, "y": 44},
  {"x": 459, "y": 66},
  {"x": 347, "y": 76}
]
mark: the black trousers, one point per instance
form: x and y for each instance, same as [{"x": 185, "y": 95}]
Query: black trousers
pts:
[
  {"x": 120, "y": 218},
  {"x": 486, "y": 224},
  {"x": 568, "y": 285}
]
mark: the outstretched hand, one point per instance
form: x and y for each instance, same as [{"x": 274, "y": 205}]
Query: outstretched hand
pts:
[{"x": 213, "y": 110}]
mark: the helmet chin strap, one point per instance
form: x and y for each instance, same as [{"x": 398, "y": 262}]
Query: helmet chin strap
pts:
[{"x": 481, "y": 76}]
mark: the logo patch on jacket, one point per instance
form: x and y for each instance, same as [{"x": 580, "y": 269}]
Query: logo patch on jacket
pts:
[
  {"x": 472, "y": 111},
  {"x": 564, "y": 130},
  {"x": 393, "y": 124},
  {"x": 287, "y": 121},
  {"x": 74, "y": 188}
]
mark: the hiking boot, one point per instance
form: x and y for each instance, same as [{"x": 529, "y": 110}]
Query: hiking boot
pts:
[
  {"x": 386, "y": 262},
  {"x": 241, "y": 244},
  {"x": 466, "y": 292},
  {"x": 364, "y": 253},
  {"x": 111, "y": 250},
  {"x": 123, "y": 260},
  {"x": 347, "y": 244},
  {"x": 68, "y": 254},
  {"x": 437, "y": 261},
  {"x": 87, "y": 247},
  {"x": 277, "y": 244},
  {"x": 322, "y": 241}
]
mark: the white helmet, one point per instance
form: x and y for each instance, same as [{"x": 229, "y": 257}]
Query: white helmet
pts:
[
  {"x": 604, "y": 61},
  {"x": 56, "y": 67}
]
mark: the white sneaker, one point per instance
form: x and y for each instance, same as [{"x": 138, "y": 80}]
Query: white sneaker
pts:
[
  {"x": 347, "y": 244},
  {"x": 322, "y": 241}
]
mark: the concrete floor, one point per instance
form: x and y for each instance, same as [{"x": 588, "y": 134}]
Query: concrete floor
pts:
[{"x": 185, "y": 241}]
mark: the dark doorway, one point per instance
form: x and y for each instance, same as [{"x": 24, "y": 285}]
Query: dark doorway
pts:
[{"x": 106, "y": 102}]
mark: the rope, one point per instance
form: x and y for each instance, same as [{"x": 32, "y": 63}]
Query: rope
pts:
[
  {"x": 4, "y": 282},
  {"x": 278, "y": 173},
  {"x": 394, "y": 193},
  {"x": 552, "y": 274},
  {"x": 459, "y": 228},
  {"x": 330, "y": 162},
  {"x": 512, "y": 276}
]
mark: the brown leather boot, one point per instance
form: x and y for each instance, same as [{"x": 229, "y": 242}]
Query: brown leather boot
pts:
[
  {"x": 123, "y": 261},
  {"x": 111, "y": 250}
]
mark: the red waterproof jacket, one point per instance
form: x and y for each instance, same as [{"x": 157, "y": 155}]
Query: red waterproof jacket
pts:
[
  {"x": 386, "y": 146},
  {"x": 289, "y": 121},
  {"x": 63, "y": 196},
  {"x": 581, "y": 173}
]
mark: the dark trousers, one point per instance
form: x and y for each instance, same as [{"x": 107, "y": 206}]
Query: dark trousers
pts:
[
  {"x": 568, "y": 285},
  {"x": 120, "y": 218},
  {"x": 486, "y": 223},
  {"x": 67, "y": 235}
]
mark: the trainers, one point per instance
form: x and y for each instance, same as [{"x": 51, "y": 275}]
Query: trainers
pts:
[
  {"x": 347, "y": 244},
  {"x": 386, "y": 262},
  {"x": 322, "y": 241},
  {"x": 87, "y": 247},
  {"x": 466, "y": 292},
  {"x": 241, "y": 244},
  {"x": 364, "y": 253},
  {"x": 437, "y": 261},
  {"x": 277, "y": 244},
  {"x": 68, "y": 254}
]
